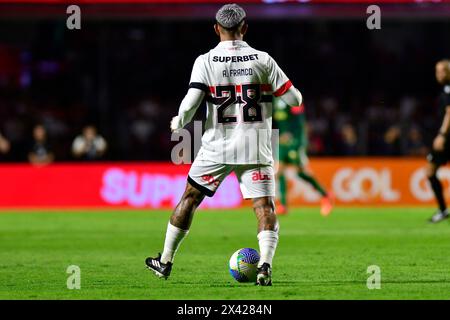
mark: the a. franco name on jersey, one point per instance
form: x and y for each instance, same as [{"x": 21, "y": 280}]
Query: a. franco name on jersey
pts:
[
  {"x": 235, "y": 58},
  {"x": 237, "y": 72}
]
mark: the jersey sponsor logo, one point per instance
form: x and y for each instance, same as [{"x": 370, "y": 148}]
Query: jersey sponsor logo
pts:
[
  {"x": 258, "y": 176},
  {"x": 226, "y": 59},
  {"x": 210, "y": 180}
]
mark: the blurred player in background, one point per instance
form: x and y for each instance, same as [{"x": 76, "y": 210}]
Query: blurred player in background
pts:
[
  {"x": 293, "y": 146},
  {"x": 238, "y": 83},
  {"x": 440, "y": 153}
]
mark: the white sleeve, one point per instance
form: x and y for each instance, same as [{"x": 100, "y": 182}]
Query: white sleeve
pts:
[
  {"x": 188, "y": 107},
  {"x": 197, "y": 89},
  {"x": 281, "y": 85},
  {"x": 198, "y": 76},
  {"x": 277, "y": 78},
  {"x": 292, "y": 97}
]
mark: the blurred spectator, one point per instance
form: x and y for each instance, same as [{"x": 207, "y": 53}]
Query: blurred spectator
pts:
[
  {"x": 4, "y": 144},
  {"x": 391, "y": 141},
  {"x": 349, "y": 141},
  {"x": 40, "y": 153},
  {"x": 89, "y": 145},
  {"x": 415, "y": 145}
]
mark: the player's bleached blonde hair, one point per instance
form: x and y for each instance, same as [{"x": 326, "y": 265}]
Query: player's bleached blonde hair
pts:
[{"x": 230, "y": 16}]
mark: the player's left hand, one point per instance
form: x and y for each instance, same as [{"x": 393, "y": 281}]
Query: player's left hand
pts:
[{"x": 438, "y": 143}]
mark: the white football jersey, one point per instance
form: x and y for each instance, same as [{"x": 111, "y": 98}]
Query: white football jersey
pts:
[{"x": 239, "y": 82}]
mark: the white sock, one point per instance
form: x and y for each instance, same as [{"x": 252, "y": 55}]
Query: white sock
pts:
[
  {"x": 268, "y": 241},
  {"x": 174, "y": 236}
]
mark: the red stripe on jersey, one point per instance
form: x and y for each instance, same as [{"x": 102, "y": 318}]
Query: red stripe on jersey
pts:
[
  {"x": 266, "y": 87},
  {"x": 298, "y": 109},
  {"x": 213, "y": 90},
  {"x": 282, "y": 90},
  {"x": 238, "y": 88}
]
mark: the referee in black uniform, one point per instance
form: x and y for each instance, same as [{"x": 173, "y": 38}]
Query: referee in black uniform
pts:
[{"x": 440, "y": 153}]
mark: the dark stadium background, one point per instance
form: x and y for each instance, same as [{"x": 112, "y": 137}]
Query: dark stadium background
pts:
[
  {"x": 371, "y": 105},
  {"x": 127, "y": 75}
]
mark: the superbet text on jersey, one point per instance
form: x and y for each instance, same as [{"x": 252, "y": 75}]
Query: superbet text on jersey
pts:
[{"x": 239, "y": 82}]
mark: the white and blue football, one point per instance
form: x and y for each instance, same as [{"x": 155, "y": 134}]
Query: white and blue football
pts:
[{"x": 243, "y": 265}]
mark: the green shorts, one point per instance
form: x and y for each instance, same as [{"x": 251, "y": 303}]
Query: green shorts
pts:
[{"x": 293, "y": 155}]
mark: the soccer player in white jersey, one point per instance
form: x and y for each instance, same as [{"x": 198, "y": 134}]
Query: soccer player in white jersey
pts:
[{"x": 238, "y": 83}]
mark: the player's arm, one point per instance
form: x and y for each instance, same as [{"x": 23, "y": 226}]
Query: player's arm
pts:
[
  {"x": 292, "y": 97},
  {"x": 283, "y": 87},
  {"x": 188, "y": 107},
  {"x": 194, "y": 96},
  {"x": 439, "y": 141},
  {"x": 446, "y": 122}
]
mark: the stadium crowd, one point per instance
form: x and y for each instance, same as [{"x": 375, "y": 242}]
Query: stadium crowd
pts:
[{"x": 108, "y": 92}]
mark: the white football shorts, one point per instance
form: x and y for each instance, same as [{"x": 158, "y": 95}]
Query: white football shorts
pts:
[{"x": 255, "y": 180}]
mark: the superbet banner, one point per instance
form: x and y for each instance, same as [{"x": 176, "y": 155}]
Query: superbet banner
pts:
[
  {"x": 360, "y": 181},
  {"x": 103, "y": 185}
]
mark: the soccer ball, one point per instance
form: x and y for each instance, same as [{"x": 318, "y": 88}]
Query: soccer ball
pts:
[{"x": 243, "y": 265}]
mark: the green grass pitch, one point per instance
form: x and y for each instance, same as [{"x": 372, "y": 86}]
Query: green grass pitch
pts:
[{"x": 317, "y": 258}]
